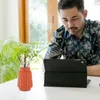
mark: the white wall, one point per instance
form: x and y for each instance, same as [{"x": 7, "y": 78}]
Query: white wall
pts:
[
  {"x": 93, "y": 8},
  {"x": 9, "y": 19},
  {"x": 1, "y": 19}
]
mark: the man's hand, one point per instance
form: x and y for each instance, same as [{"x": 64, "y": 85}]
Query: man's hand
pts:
[{"x": 93, "y": 70}]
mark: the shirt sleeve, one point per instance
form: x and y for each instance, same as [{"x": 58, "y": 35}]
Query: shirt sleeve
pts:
[
  {"x": 54, "y": 50},
  {"x": 97, "y": 44}
]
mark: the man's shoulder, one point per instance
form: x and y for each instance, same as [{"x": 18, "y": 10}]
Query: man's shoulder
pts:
[
  {"x": 93, "y": 26},
  {"x": 92, "y": 23},
  {"x": 59, "y": 32}
]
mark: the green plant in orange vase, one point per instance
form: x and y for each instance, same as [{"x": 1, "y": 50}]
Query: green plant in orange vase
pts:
[{"x": 11, "y": 53}]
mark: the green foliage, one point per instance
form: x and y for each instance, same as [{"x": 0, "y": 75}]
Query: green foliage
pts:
[{"x": 10, "y": 53}]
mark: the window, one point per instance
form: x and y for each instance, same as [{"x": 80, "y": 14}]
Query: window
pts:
[
  {"x": 38, "y": 20},
  {"x": 28, "y": 11}
]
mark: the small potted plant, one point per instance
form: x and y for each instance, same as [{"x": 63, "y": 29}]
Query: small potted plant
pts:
[
  {"x": 15, "y": 55},
  {"x": 27, "y": 55}
]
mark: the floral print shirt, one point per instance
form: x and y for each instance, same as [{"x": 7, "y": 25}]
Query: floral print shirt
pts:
[{"x": 87, "y": 48}]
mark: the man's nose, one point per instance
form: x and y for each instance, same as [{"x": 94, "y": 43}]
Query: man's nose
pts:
[{"x": 70, "y": 24}]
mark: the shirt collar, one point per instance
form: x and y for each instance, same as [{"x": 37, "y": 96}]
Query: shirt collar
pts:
[{"x": 67, "y": 35}]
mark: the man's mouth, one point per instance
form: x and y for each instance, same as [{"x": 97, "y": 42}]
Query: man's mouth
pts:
[{"x": 73, "y": 28}]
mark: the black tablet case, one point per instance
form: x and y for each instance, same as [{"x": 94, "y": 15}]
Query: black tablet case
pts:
[{"x": 63, "y": 72}]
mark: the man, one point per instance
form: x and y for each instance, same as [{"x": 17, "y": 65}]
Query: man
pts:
[{"x": 77, "y": 38}]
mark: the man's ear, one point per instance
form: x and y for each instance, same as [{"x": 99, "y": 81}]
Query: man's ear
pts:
[{"x": 85, "y": 13}]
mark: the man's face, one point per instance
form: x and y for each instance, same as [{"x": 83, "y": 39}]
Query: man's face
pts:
[{"x": 73, "y": 20}]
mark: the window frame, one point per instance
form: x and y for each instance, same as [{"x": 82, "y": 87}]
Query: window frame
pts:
[{"x": 52, "y": 22}]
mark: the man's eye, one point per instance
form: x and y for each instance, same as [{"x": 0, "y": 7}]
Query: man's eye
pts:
[
  {"x": 75, "y": 19},
  {"x": 65, "y": 20}
]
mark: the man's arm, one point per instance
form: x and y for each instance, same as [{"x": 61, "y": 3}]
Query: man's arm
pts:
[
  {"x": 54, "y": 49},
  {"x": 93, "y": 70}
]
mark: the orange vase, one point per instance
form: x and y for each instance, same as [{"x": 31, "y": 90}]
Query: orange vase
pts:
[{"x": 25, "y": 79}]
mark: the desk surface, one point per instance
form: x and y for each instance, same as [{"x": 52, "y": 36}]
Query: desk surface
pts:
[{"x": 10, "y": 91}]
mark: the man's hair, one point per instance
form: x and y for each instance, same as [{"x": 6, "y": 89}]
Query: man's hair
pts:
[{"x": 67, "y": 4}]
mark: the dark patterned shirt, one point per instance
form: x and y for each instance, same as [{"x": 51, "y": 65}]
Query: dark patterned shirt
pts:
[{"x": 87, "y": 48}]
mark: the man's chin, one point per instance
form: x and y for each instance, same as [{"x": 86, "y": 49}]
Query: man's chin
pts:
[{"x": 72, "y": 33}]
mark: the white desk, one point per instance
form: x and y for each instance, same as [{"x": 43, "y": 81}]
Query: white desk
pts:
[{"x": 10, "y": 91}]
